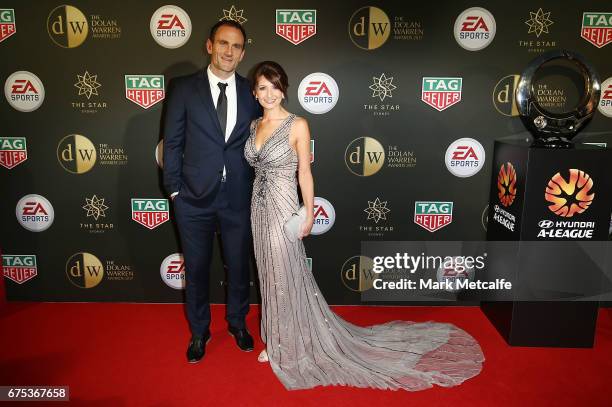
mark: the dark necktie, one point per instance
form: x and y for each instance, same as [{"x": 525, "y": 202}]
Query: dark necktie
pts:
[{"x": 222, "y": 107}]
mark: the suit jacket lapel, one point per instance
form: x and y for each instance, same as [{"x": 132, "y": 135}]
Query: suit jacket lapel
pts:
[{"x": 204, "y": 92}]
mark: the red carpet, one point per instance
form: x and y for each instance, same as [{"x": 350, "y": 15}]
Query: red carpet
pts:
[{"x": 133, "y": 355}]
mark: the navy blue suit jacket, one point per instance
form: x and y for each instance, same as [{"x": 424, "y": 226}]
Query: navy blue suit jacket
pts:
[{"x": 195, "y": 150}]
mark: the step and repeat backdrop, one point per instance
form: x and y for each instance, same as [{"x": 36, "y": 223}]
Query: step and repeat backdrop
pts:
[{"x": 404, "y": 103}]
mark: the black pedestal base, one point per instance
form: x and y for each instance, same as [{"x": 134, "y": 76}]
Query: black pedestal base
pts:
[{"x": 549, "y": 324}]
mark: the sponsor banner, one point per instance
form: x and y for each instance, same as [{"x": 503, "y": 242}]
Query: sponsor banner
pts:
[
  {"x": 475, "y": 29},
  {"x": 172, "y": 271},
  {"x": 597, "y": 28},
  {"x": 170, "y": 26},
  {"x": 433, "y": 215},
  {"x": 7, "y": 23},
  {"x": 24, "y": 91},
  {"x": 145, "y": 90},
  {"x": 19, "y": 268},
  {"x": 296, "y": 26},
  {"x": 35, "y": 213},
  {"x": 465, "y": 157},
  {"x": 318, "y": 93},
  {"x": 150, "y": 212},
  {"x": 13, "y": 151},
  {"x": 324, "y": 216},
  {"x": 441, "y": 93}
]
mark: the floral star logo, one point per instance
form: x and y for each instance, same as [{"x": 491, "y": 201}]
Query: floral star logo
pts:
[
  {"x": 382, "y": 87},
  {"x": 377, "y": 210},
  {"x": 95, "y": 207},
  {"x": 539, "y": 22},
  {"x": 87, "y": 84},
  {"x": 233, "y": 14}
]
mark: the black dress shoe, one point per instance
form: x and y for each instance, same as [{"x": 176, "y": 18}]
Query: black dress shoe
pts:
[
  {"x": 244, "y": 340},
  {"x": 197, "y": 347}
]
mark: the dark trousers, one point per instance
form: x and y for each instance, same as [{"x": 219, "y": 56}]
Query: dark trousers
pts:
[{"x": 197, "y": 227}]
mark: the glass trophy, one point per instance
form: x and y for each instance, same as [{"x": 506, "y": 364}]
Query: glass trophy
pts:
[{"x": 556, "y": 97}]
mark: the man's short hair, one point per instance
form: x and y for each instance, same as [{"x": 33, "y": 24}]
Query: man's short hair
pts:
[{"x": 229, "y": 23}]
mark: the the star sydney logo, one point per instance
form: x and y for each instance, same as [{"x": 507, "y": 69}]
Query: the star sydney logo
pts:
[
  {"x": 87, "y": 85},
  {"x": 377, "y": 210},
  {"x": 382, "y": 87},
  {"x": 539, "y": 22},
  {"x": 95, "y": 207},
  {"x": 233, "y": 14}
]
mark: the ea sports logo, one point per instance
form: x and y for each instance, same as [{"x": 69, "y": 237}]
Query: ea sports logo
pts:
[
  {"x": 369, "y": 28},
  {"x": 569, "y": 196},
  {"x": 318, "y": 93},
  {"x": 67, "y": 26},
  {"x": 454, "y": 272},
  {"x": 364, "y": 156},
  {"x": 76, "y": 154},
  {"x": 159, "y": 154},
  {"x": 172, "y": 271},
  {"x": 605, "y": 102},
  {"x": 474, "y": 29},
  {"x": 35, "y": 213},
  {"x": 24, "y": 91},
  {"x": 464, "y": 157},
  {"x": 170, "y": 26},
  {"x": 506, "y": 184},
  {"x": 324, "y": 216}
]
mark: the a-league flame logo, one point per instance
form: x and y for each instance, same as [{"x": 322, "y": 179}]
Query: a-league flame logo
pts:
[
  {"x": 571, "y": 196},
  {"x": 506, "y": 184}
]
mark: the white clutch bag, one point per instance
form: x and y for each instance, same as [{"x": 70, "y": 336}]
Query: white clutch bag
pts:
[{"x": 295, "y": 222}]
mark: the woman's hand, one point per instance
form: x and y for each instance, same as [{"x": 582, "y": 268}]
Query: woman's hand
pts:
[{"x": 306, "y": 227}]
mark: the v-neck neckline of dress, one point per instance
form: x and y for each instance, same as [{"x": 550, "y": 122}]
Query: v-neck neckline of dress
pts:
[{"x": 257, "y": 151}]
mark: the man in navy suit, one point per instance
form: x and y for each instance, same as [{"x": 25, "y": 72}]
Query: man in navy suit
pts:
[{"x": 207, "y": 121}]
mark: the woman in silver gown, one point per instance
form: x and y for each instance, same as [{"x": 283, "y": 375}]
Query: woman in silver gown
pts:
[{"x": 308, "y": 345}]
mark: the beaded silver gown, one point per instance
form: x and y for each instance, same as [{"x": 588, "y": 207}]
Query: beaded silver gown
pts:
[{"x": 307, "y": 344}]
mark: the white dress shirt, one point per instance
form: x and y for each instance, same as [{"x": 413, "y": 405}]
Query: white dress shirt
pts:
[
  {"x": 230, "y": 92},
  {"x": 232, "y": 102}
]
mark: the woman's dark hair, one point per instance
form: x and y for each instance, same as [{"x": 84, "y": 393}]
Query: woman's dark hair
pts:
[
  {"x": 273, "y": 72},
  {"x": 229, "y": 23}
]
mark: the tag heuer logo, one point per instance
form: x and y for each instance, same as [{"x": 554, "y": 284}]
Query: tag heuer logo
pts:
[
  {"x": 433, "y": 215},
  {"x": 296, "y": 25},
  {"x": 19, "y": 268},
  {"x": 145, "y": 90},
  {"x": 150, "y": 212},
  {"x": 7, "y": 23},
  {"x": 597, "y": 28},
  {"x": 13, "y": 151},
  {"x": 441, "y": 93}
]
